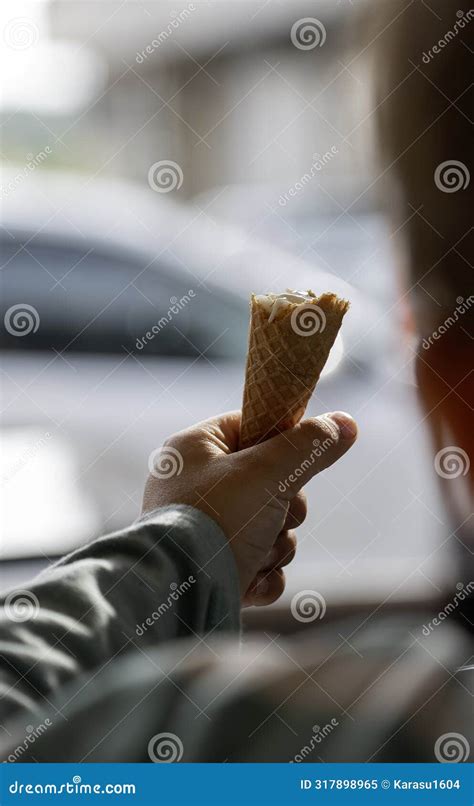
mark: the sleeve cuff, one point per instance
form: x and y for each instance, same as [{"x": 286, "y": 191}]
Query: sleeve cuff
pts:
[{"x": 207, "y": 547}]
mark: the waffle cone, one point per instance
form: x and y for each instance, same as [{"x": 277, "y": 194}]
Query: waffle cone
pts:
[{"x": 284, "y": 361}]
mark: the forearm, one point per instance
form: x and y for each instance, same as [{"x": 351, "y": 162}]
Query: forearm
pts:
[{"x": 169, "y": 575}]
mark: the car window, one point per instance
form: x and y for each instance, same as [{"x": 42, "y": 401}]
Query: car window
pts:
[{"x": 70, "y": 298}]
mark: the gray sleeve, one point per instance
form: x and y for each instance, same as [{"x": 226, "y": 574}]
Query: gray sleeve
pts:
[{"x": 170, "y": 574}]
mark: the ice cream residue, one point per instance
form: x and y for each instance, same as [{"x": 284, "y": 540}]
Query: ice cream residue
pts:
[{"x": 273, "y": 303}]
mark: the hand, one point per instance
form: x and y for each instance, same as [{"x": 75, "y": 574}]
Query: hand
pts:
[{"x": 254, "y": 494}]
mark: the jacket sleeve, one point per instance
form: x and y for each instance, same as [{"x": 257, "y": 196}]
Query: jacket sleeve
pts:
[{"x": 170, "y": 574}]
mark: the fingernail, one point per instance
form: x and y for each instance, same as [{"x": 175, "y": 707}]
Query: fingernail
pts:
[{"x": 347, "y": 426}]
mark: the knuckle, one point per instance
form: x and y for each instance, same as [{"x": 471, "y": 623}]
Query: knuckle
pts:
[
  {"x": 292, "y": 540},
  {"x": 175, "y": 440},
  {"x": 302, "y": 502},
  {"x": 298, "y": 510},
  {"x": 188, "y": 441},
  {"x": 289, "y": 551},
  {"x": 277, "y": 586}
]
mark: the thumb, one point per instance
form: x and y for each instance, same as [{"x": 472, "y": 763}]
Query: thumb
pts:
[{"x": 293, "y": 457}]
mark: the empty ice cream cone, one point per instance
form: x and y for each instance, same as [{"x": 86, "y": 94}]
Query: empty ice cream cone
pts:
[{"x": 290, "y": 338}]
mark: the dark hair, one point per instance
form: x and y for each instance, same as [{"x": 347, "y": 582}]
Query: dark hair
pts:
[{"x": 425, "y": 102}]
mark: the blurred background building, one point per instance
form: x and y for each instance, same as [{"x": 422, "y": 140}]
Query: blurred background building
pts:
[{"x": 223, "y": 91}]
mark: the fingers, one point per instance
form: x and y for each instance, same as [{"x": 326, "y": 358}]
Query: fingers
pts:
[
  {"x": 292, "y": 458},
  {"x": 267, "y": 588},
  {"x": 283, "y": 552},
  {"x": 222, "y": 432},
  {"x": 297, "y": 511},
  {"x": 269, "y": 583}
]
